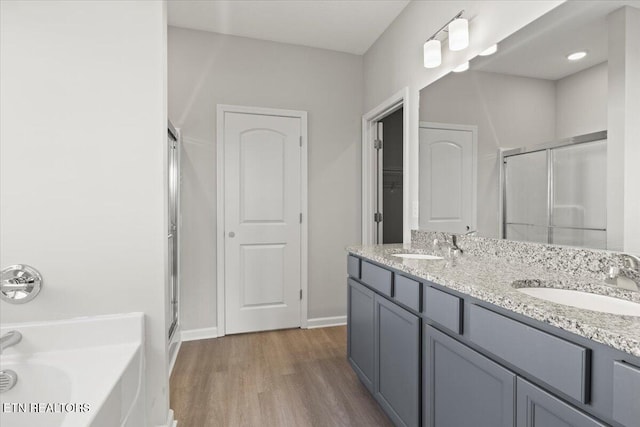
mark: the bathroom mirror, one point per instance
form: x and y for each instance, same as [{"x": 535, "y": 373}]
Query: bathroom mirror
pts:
[{"x": 529, "y": 143}]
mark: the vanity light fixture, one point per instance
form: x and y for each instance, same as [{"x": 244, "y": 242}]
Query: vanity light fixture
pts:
[
  {"x": 490, "y": 50},
  {"x": 462, "y": 67},
  {"x": 458, "y": 34},
  {"x": 432, "y": 54},
  {"x": 458, "y": 29},
  {"x": 575, "y": 56}
]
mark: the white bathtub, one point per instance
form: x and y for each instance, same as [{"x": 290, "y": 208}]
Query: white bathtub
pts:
[{"x": 76, "y": 373}]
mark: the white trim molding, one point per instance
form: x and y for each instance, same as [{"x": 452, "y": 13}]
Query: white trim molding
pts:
[
  {"x": 304, "y": 188},
  {"x": 325, "y": 322},
  {"x": 199, "y": 334},
  {"x": 174, "y": 349},
  {"x": 171, "y": 421},
  {"x": 369, "y": 120}
]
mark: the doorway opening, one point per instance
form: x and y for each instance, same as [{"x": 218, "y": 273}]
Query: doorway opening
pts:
[
  {"x": 385, "y": 154},
  {"x": 390, "y": 174}
]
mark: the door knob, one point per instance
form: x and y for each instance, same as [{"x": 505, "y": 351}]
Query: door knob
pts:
[{"x": 232, "y": 234}]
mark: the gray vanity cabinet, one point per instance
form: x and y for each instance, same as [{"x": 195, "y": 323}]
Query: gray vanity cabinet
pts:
[
  {"x": 537, "y": 408},
  {"x": 360, "y": 331},
  {"x": 397, "y": 362},
  {"x": 464, "y": 388},
  {"x": 435, "y": 357}
]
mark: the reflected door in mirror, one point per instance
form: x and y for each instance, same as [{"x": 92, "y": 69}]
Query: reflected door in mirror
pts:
[{"x": 447, "y": 179}]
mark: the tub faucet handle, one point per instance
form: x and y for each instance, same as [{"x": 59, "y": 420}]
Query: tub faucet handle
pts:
[{"x": 9, "y": 339}]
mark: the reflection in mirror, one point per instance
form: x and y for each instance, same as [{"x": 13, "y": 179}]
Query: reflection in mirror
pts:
[{"x": 529, "y": 144}]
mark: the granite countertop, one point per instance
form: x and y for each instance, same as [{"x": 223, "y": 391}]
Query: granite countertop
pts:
[{"x": 490, "y": 279}]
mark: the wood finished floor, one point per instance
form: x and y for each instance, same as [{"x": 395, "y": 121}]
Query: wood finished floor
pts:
[{"x": 294, "y": 377}]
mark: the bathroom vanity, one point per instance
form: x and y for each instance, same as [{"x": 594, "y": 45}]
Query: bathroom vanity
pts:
[{"x": 453, "y": 342}]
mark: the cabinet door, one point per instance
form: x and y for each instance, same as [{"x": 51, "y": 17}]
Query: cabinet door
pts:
[
  {"x": 463, "y": 388},
  {"x": 397, "y": 362},
  {"x": 537, "y": 408},
  {"x": 360, "y": 331}
]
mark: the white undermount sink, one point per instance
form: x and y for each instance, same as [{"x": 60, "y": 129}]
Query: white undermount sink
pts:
[
  {"x": 417, "y": 256},
  {"x": 586, "y": 300}
]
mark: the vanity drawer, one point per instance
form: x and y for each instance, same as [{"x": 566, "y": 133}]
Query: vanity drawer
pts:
[
  {"x": 353, "y": 266},
  {"x": 444, "y": 309},
  {"x": 408, "y": 292},
  {"x": 559, "y": 363},
  {"x": 376, "y": 277},
  {"x": 626, "y": 394}
]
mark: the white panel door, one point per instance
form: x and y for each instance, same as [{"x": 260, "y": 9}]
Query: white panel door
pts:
[
  {"x": 262, "y": 172},
  {"x": 447, "y": 180}
]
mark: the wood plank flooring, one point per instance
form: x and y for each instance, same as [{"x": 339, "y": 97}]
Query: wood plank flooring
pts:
[{"x": 294, "y": 377}]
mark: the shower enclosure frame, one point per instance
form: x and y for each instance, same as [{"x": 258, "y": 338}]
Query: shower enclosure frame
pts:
[
  {"x": 173, "y": 232},
  {"x": 548, "y": 147}
]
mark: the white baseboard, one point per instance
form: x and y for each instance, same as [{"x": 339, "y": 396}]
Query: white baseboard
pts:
[
  {"x": 199, "y": 334},
  {"x": 171, "y": 422},
  {"x": 324, "y": 322},
  {"x": 174, "y": 349},
  {"x": 206, "y": 333}
]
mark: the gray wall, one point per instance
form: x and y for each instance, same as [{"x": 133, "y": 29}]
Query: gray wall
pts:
[
  {"x": 623, "y": 147},
  {"x": 581, "y": 102},
  {"x": 206, "y": 69}
]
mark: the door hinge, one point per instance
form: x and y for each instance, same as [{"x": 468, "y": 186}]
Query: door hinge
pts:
[
  {"x": 300, "y": 293},
  {"x": 300, "y": 140},
  {"x": 377, "y": 217},
  {"x": 300, "y": 217},
  {"x": 377, "y": 144}
]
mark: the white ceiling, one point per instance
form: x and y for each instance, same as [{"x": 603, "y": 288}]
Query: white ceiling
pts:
[
  {"x": 343, "y": 25},
  {"x": 540, "y": 50}
]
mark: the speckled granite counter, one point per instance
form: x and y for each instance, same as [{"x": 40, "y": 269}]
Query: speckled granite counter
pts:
[{"x": 489, "y": 278}]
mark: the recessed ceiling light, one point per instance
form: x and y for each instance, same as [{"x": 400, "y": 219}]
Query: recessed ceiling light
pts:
[
  {"x": 576, "y": 55},
  {"x": 462, "y": 67},
  {"x": 490, "y": 50}
]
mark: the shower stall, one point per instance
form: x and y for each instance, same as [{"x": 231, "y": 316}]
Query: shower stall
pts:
[
  {"x": 556, "y": 192},
  {"x": 173, "y": 188}
]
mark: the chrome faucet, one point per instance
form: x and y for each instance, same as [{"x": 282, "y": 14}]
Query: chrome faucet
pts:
[
  {"x": 454, "y": 241},
  {"x": 449, "y": 240},
  {"x": 9, "y": 339},
  {"x": 627, "y": 277}
]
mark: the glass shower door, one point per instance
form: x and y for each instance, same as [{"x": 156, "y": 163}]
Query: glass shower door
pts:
[
  {"x": 557, "y": 194},
  {"x": 172, "y": 237},
  {"x": 526, "y": 197},
  {"x": 579, "y": 215}
]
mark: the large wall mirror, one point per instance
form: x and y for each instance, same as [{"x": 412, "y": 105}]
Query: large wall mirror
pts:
[{"x": 529, "y": 143}]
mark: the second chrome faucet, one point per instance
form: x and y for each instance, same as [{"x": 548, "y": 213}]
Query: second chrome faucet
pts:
[{"x": 627, "y": 277}]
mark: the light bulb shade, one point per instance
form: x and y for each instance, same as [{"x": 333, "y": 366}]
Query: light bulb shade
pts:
[
  {"x": 490, "y": 50},
  {"x": 432, "y": 54},
  {"x": 458, "y": 34},
  {"x": 462, "y": 67}
]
